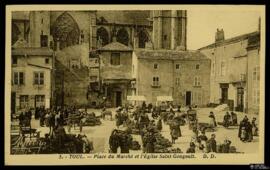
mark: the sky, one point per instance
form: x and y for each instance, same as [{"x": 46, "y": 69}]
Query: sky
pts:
[{"x": 202, "y": 25}]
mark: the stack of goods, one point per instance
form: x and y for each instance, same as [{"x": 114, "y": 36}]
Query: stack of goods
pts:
[
  {"x": 91, "y": 120},
  {"x": 161, "y": 144},
  {"x": 135, "y": 145}
]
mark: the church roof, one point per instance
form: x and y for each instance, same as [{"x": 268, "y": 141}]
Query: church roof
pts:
[
  {"x": 170, "y": 55},
  {"x": 115, "y": 46}
]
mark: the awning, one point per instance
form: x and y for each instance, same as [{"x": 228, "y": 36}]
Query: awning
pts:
[
  {"x": 164, "y": 98},
  {"x": 136, "y": 98}
]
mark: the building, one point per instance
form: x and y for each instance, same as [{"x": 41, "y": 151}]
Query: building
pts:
[
  {"x": 253, "y": 74},
  {"x": 31, "y": 78},
  {"x": 229, "y": 64},
  {"x": 169, "y": 29},
  {"x": 95, "y": 53},
  {"x": 115, "y": 72},
  {"x": 184, "y": 75}
]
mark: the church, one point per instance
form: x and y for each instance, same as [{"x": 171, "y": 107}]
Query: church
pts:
[{"x": 110, "y": 55}]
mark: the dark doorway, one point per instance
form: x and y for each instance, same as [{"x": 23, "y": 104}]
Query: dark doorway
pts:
[
  {"x": 118, "y": 98},
  {"x": 188, "y": 98},
  {"x": 224, "y": 95},
  {"x": 13, "y": 102},
  {"x": 240, "y": 99}
]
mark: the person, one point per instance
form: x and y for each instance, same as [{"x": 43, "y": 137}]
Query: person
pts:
[
  {"x": 171, "y": 114},
  {"x": 57, "y": 119},
  {"x": 226, "y": 120},
  {"x": 37, "y": 112},
  {"x": 154, "y": 112},
  {"x": 125, "y": 141},
  {"x": 226, "y": 146},
  {"x": 254, "y": 127},
  {"x": 212, "y": 144},
  {"x": 194, "y": 135},
  {"x": 149, "y": 141},
  {"x": 143, "y": 120},
  {"x": 125, "y": 115},
  {"x": 28, "y": 114},
  {"x": 41, "y": 114},
  {"x": 175, "y": 130},
  {"x": 21, "y": 118},
  {"x": 46, "y": 118},
  {"x": 114, "y": 142},
  {"x": 118, "y": 118},
  {"x": 212, "y": 122},
  {"x": 143, "y": 105},
  {"x": 150, "y": 106},
  {"x": 159, "y": 124},
  {"x": 234, "y": 118},
  {"x": 249, "y": 136},
  {"x": 191, "y": 148},
  {"x": 202, "y": 139},
  {"x": 60, "y": 135},
  {"x": 179, "y": 108},
  {"x": 52, "y": 122},
  {"x": 242, "y": 133}
]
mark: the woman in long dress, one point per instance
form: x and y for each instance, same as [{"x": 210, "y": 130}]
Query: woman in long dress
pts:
[
  {"x": 212, "y": 122},
  {"x": 175, "y": 130}
]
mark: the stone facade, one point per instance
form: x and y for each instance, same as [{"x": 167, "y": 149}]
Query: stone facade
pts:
[
  {"x": 176, "y": 72},
  {"x": 229, "y": 62},
  {"x": 89, "y": 39},
  {"x": 31, "y": 78},
  {"x": 253, "y": 74},
  {"x": 115, "y": 72},
  {"x": 169, "y": 29}
]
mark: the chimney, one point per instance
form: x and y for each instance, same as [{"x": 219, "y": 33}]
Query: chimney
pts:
[{"x": 219, "y": 35}]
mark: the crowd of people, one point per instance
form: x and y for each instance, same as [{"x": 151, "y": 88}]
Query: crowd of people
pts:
[{"x": 146, "y": 120}]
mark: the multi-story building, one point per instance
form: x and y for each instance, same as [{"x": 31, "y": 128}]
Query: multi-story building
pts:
[
  {"x": 229, "y": 68},
  {"x": 115, "y": 72},
  {"x": 168, "y": 69},
  {"x": 31, "y": 78},
  {"x": 253, "y": 74},
  {"x": 32, "y": 66},
  {"x": 184, "y": 75}
]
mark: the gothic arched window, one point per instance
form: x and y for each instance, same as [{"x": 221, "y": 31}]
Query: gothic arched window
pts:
[
  {"x": 122, "y": 36},
  {"x": 143, "y": 38},
  {"x": 66, "y": 30},
  {"x": 103, "y": 36}
]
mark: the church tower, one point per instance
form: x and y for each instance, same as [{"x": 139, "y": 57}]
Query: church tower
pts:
[
  {"x": 169, "y": 29},
  {"x": 39, "y": 29}
]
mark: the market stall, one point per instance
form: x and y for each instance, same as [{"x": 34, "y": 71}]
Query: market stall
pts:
[{"x": 136, "y": 100}]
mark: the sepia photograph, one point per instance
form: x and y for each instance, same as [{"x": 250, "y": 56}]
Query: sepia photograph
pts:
[{"x": 131, "y": 84}]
